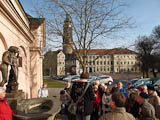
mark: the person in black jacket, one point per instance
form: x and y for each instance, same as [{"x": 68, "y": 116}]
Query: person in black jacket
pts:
[{"x": 85, "y": 106}]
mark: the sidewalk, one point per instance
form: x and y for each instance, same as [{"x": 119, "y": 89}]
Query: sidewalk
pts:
[{"x": 54, "y": 92}]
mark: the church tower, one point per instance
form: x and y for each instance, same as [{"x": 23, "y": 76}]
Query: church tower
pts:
[{"x": 67, "y": 36}]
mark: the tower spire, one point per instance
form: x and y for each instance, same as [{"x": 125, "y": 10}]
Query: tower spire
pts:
[{"x": 67, "y": 35}]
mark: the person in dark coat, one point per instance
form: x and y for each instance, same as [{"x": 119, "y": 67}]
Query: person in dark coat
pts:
[{"x": 85, "y": 106}]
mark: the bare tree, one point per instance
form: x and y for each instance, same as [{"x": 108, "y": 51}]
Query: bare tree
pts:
[
  {"x": 146, "y": 47},
  {"x": 90, "y": 20}
]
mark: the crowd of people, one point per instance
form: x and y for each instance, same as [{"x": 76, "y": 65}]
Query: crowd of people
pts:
[
  {"x": 95, "y": 101},
  {"x": 101, "y": 103}
]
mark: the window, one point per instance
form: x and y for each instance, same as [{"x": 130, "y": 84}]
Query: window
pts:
[
  {"x": 104, "y": 68},
  {"x": 97, "y": 62},
  {"x": 101, "y": 62},
  {"x": 104, "y": 56},
  {"x": 104, "y": 62},
  {"x": 101, "y": 68}
]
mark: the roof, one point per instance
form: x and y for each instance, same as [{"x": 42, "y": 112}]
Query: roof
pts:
[{"x": 111, "y": 51}]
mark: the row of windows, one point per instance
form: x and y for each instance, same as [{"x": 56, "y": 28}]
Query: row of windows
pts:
[
  {"x": 104, "y": 69},
  {"x": 126, "y": 56},
  {"x": 111, "y": 63},
  {"x": 121, "y": 56},
  {"x": 127, "y": 69},
  {"x": 100, "y": 63},
  {"x": 97, "y": 69},
  {"x": 94, "y": 57},
  {"x": 126, "y": 63}
]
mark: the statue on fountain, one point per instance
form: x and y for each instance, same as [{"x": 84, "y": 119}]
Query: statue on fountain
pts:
[{"x": 10, "y": 58}]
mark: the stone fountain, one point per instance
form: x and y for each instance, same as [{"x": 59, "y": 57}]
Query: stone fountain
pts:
[{"x": 37, "y": 109}]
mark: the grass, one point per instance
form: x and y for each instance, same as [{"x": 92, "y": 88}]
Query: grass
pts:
[{"x": 55, "y": 84}]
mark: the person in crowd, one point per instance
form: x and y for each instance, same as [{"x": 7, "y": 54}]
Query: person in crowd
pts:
[
  {"x": 130, "y": 90},
  {"x": 5, "y": 110},
  {"x": 96, "y": 104},
  {"x": 68, "y": 90},
  {"x": 154, "y": 100},
  {"x": 115, "y": 88},
  {"x": 120, "y": 87},
  {"x": 129, "y": 86},
  {"x": 106, "y": 101},
  {"x": 100, "y": 87},
  {"x": 43, "y": 92},
  {"x": 65, "y": 100},
  {"x": 132, "y": 106},
  {"x": 85, "y": 106},
  {"x": 145, "y": 89},
  {"x": 146, "y": 111},
  {"x": 118, "y": 111},
  {"x": 158, "y": 90}
]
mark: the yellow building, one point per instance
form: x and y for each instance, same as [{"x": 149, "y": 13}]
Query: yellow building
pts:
[
  {"x": 54, "y": 63},
  {"x": 111, "y": 60}
]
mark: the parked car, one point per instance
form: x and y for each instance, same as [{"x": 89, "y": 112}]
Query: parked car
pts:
[
  {"x": 92, "y": 78},
  {"x": 157, "y": 83},
  {"x": 67, "y": 78},
  {"x": 131, "y": 81},
  {"x": 72, "y": 78},
  {"x": 59, "y": 77},
  {"x": 140, "y": 82},
  {"x": 106, "y": 79}
]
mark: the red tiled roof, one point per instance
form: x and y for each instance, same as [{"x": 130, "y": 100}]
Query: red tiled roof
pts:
[{"x": 111, "y": 51}]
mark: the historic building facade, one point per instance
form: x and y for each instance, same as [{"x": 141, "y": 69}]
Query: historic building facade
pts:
[
  {"x": 112, "y": 60},
  {"x": 54, "y": 63},
  {"x": 28, "y": 34}
]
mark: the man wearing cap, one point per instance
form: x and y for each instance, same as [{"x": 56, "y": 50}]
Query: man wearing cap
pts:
[
  {"x": 5, "y": 110},
  {"x": 154, "y": 100}
]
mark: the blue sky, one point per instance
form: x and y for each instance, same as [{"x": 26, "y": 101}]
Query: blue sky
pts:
[{"x": 145, "y": 14}]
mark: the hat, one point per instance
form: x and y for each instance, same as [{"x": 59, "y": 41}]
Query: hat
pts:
[
  {"x": 151, "y": 88},
  {"x": 140, "y": 88},
  {"x": 144, "y": 95},
  {"x": 134, "y": 91},
  {"x": 2, "y": 89}
]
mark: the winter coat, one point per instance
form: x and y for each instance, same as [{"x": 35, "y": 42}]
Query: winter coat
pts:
[
  {"x": 5, "y": 110},
  {"x": 43, "y": 92},
  {"x": 119, "y": 113},
  {"x": 85, "y": 106},
  {"x": 148, "y": 111},
  {"x": 155, "y": 101}
]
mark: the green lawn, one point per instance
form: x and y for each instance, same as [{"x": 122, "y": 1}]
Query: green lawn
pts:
[{"x": 55, "y": 84}]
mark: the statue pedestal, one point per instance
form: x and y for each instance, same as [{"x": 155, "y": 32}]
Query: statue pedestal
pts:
[{"x": 14, "y": 97}]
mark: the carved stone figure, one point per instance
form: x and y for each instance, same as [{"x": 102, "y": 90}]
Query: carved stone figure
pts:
[{"x": 9, "y": 57}]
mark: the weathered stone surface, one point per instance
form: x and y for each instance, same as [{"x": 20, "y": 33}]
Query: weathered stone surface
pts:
[{"x": 37, "y": 109}]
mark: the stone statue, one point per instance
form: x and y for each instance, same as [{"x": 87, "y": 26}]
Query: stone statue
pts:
[{"x": 10, "y": 57}]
